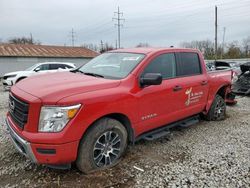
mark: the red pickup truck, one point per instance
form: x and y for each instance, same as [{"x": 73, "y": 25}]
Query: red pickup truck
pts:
[{"x": 91, "y": 114}]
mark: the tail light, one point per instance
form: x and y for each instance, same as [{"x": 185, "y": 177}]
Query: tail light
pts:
[{"x": 234, "y": 76}]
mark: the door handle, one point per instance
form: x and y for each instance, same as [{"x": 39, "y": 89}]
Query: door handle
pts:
[
  {"x": 204, "y": 82},
  {"x": 177, "y": 88}
]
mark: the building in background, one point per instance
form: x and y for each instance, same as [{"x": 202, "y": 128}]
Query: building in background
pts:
[{"x": 15, "y": 57}]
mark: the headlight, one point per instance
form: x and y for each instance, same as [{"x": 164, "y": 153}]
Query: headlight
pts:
[
  {"x": 10, "y": 76},
  {"x": 55, "y": 118}
]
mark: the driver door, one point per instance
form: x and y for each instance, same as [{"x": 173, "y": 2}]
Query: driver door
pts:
[{"x": 157, "y": 103}]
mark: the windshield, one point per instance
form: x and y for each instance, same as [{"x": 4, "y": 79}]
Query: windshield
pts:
[
  {"x": 31, "y": 68},
  {"x": 112, "y": 65}
]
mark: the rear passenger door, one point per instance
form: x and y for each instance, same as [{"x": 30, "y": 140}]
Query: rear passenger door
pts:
[{"x": 193, "y": 84}]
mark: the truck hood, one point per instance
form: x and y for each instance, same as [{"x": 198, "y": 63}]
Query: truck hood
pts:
[{"x": 50, "y": 88}]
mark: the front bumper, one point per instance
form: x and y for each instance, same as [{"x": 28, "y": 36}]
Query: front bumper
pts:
[
  {"x": 51, "y": 154},
  {"x": 7, "y": 84},
  {"x": 20, "y": 144}
]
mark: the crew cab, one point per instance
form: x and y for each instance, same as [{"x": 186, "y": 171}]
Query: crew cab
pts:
[
  {"x": 91, "y": 114},
  {"x": 12, "y": 78}
]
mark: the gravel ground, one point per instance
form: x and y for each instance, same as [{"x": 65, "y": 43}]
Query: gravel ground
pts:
[{"x": 208, "y": 154}]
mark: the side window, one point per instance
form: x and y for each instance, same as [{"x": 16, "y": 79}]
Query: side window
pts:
[
  {"x": 188, "y": 64},
  {"x": 164, "y": 64},
  {"x": 61, "y": 66},
  {"x": 43, "y": 67},
  {"x": 54, "y": 66},
  {"x": 68, "y": 67}
]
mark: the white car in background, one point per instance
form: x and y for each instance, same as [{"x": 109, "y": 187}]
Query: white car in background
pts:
[{"x": 12, "y": 78}]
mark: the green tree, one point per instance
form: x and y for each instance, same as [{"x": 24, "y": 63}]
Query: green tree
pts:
[{"x": 233, "y": 51}]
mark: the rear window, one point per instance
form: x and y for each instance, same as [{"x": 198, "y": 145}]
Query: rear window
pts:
[{"x": 188, "y": 64}]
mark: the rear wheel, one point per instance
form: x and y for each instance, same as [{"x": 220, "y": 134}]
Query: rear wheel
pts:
[
  {"x": 102, "y": 146},
  {"x": 217, "y": 110}
]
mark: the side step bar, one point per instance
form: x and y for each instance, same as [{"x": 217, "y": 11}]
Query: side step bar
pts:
[
  {"x": 165, "y": 130},
  {"x": 157, "y": 135},
  {"x": 189, "y": 122}
]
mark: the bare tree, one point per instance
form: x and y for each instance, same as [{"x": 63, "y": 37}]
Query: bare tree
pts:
[
  {"x": 91, "y": 46},
  {"x": 205, "y": 46},
  {"x": 233, "y": 50},
  {"x": 246, "y": 46},
  {"x": 142, "y": 44},
  {"x": 23, "y": 40},
  {"x": 106, "y": 47}
]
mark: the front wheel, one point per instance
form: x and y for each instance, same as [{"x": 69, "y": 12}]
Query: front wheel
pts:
[
  {"x": 102, "y": 146},
  {"x": 217, "y": 110}
]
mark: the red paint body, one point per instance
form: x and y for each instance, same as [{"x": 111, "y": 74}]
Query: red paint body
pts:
[{"x": 100, "y": 97}]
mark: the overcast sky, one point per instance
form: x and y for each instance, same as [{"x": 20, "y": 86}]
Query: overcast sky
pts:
[{"x": 157, "y": 22}]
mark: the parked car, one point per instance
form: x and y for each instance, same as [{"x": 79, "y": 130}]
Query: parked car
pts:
[
  {"x": 242, "y": 85},
  {"x": 12, "y": 78},
  {"x": 91, "y": 114},
  {"x": 222, "y": 65},
  {"x": 210, "y": 66}
]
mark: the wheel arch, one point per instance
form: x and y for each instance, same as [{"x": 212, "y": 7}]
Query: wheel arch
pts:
[
  {"x": 122, "y": 118},
  {"x": 222, "y": 91},
  {"x": 20, "y": 78}
]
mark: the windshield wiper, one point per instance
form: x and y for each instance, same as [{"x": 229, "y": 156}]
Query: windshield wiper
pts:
[
  {"x": 76, "y": 70},
  {"x": 87, "y": 73},
  {"x": 93, "y": 74}
]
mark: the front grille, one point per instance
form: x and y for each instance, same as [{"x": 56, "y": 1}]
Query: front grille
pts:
[{"x": 18, "y": 110}]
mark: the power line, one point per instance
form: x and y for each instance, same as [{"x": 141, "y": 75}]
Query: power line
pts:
[{"x": 119, "y": 19}]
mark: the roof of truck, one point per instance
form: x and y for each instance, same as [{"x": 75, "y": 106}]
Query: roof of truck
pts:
[{"x": 150, "y": 50}]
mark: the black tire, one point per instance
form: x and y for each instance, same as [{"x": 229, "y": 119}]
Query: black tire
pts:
[
  {"x": 217, "y": 111},
  {"x": 100, "y": 141}
]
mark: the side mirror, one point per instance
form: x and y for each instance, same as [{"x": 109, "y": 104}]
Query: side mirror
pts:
[
  {"x": 37, "y": 69},
  {"x": 151, "y": 79}
]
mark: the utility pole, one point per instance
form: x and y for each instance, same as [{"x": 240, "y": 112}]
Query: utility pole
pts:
[
  {"x": 119, "y": 19},
  {"x": 102, "y": 47},
  {"x": 31, "y": 38},
  {"x": 72, "y": 35},
  {"x": 223, "y": 41},
  {"x": 216, "y": 31}
]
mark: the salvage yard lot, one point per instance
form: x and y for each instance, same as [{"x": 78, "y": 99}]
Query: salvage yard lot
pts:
[{"x": 208, "y": 154}]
